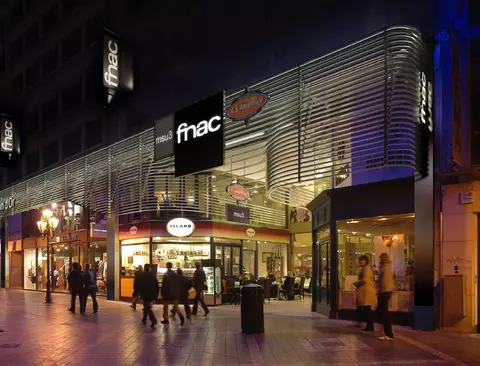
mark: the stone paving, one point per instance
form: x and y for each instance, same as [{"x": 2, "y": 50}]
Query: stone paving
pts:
[{"x": 40, "y": 334}]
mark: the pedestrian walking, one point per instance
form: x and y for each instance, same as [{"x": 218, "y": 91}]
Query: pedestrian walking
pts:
[
  {"x": 385, "y": 285},
  {"x": 366, "y": 294},
  {"x": 90, "y": 287},
  {"x": 186, "y": 285},
  {"x": 136, "y": 287},
  {"x": 76, "y": 283},
  {"x": 148, "y": 293},
  {"x": 171, "y": 291},
  {"x": 200, "y": 284}
]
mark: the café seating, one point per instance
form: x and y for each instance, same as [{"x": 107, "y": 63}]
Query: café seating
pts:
[
  {"x": 287, "y": 290},
  {"x": 299, "y": 290},
  {"x": 307, "y": 286}
]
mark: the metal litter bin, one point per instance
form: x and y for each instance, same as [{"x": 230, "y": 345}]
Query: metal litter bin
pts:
[{"x": 252, "y": 309}]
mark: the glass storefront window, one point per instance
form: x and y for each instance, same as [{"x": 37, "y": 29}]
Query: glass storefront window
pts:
[
  {"x": 302, "y": 254},
  {"x": 227, "y": 260},
  {"x": 272, "y": 257},
  {"x": 323, "y": 247},
  {"x": 30, "y": 269},
  {"x": 181, "y": 254},
  {"x": 60, "y": 267},
  {"x": 97, "y": 257},
  {"x": 134, "y": 256},
  {"x": 41, "y": 268},
  {"x": 393, "y": 235}
]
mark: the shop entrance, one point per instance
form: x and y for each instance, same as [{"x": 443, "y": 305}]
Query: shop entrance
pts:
[
  {"x": 229, "y": 257},
  {"x": 16, "y": 269}
]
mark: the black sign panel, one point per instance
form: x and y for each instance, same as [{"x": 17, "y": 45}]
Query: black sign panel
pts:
[
  {"x": 237, "y": 214},
  {"x": 9, "y": 140},
  {"x": 164, "y": 137},
  {"x": 111, "y": 61},
  {"x": 199, "y": 136}
]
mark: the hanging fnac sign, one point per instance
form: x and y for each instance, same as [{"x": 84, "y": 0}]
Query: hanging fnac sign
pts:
[
  {"x": 180, "y": 227},
  {"x": 238, "y": 192},
  {"x": 247, "y": 106}
]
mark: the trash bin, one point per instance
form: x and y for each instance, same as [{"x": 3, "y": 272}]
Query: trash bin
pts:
[{"x": 252, "y": 309}]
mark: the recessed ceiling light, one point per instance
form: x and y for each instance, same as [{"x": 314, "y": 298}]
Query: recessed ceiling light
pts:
[
  {"x": 383, "y": 219},
  {"x": 354, "y": 232},
  {"x": 368, "y": 234},
  {"x": 353, "y": 222}
]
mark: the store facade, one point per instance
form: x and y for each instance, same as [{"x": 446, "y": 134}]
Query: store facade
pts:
[{"x": 235, "y": 164}]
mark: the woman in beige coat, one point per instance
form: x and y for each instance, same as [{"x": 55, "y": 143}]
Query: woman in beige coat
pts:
[
  {"x": 386, "y": 285},
  {"x": 366, "y": 293}
]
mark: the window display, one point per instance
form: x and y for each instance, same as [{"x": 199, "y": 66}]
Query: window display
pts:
[
  {"x": 180, "y": 255},
  {"x": 30, "y": 269},
  {"x": 41, "y": 269},
  {"x": 134, "y": 256},
  {"x": 97, "y": 256},
  {"x": 60, "y": 267},
  {"x": 393, "y": 235}
]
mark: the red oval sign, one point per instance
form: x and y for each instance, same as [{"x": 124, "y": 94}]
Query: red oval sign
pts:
[
  {"x": 238, "y": 192},
  {"x": 247, "y": 106}
]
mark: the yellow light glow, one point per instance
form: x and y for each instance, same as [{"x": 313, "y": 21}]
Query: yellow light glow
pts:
[{"x": 47, "y": 213}]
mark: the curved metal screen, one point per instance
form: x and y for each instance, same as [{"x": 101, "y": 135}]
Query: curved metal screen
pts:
[{"x": 351, "y": 111}]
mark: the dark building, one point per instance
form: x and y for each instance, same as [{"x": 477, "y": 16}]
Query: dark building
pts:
[{"x": 50, "y": 61}]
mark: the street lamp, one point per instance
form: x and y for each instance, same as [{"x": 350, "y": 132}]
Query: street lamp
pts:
[{"x": 47, "y": 225}]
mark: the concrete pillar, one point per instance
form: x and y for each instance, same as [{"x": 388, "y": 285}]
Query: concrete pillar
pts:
[{"x": 113, "y": 258}]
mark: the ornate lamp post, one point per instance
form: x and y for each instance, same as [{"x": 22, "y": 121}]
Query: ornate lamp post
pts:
[{"x": 47, "y": 226}]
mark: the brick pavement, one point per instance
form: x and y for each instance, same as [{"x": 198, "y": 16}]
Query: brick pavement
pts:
[{"x": 39, "y": 334}]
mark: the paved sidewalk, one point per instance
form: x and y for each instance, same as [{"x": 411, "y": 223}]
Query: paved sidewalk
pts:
[{"x": 40, "y": 334}]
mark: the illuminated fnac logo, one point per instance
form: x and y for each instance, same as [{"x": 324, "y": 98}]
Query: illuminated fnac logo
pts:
[
  {"x": 111, "y": 74},
  {"x": 200, "y": 129},
  {"x": 425, "y": 113},
  {"x": 7, "y": 136}
]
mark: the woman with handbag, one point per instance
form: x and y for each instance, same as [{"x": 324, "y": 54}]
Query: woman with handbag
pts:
[{"x": 200, "y": 284}]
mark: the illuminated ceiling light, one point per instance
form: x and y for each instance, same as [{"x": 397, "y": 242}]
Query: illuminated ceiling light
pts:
[
  {"x": 368, "y": 234},
  {"x": 353, "y": 222},
  {"x": 383, "y": 219},
  {"x": 245, "y": 138},
  {"x": 339, "y": 230},
  {"x": 318, "y": 176},
  {"x": 354, "y": 232}
]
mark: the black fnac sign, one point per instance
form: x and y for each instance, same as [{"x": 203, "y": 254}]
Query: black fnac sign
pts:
[
  {"x": 9, "y": 140},
  {"x": 198, "y": 136}
]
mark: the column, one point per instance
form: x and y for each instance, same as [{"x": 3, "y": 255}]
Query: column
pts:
[
  {"x": 113, "y": 258},
  {"x": 3, "y": 252}
]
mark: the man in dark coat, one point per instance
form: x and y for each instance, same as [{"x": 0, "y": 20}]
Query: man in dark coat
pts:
[
  {"x": 171, "y": 293},
  {"x": 148, "y": 293},
  {"x": 90, "y": 287},
  {"x": 76, "y": 282},
  {"x": 200, "y": 283},
  {"x": 136, "y": 287}
]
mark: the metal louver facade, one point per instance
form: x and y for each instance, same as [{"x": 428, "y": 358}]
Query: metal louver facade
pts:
[{"x": 351, "y": 111}]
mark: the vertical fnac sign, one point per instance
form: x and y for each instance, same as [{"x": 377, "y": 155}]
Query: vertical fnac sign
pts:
[
  {"x": 117, "y": 64},
  {"x": 111, "y": 60},
  {"x": 9, "y": 139}
]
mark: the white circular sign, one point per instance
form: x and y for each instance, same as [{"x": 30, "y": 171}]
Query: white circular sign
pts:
[
  {"x": 180, "y": 227},
  {"x": 250, "y": 232},
  {"x": 133, "y": 230}
]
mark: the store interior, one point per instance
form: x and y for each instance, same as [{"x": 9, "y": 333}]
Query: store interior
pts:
[{"x": 393, "y": 235}]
